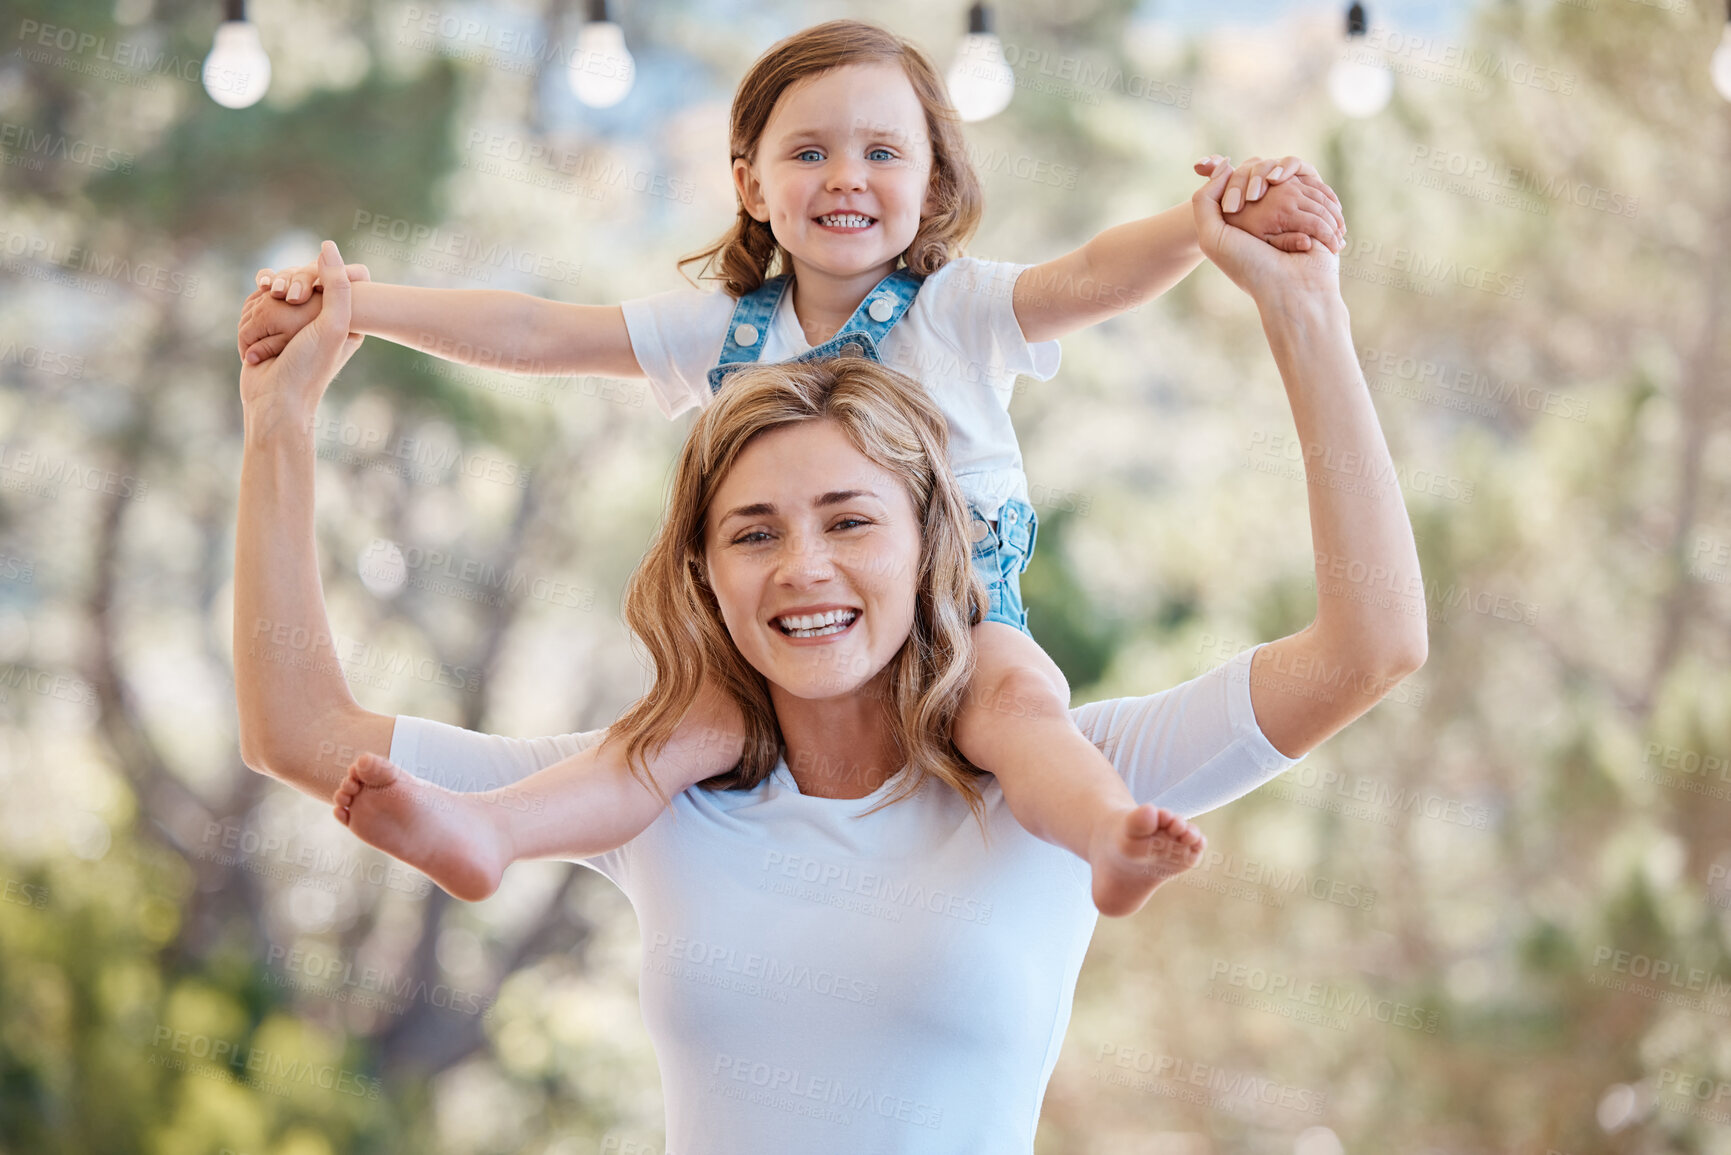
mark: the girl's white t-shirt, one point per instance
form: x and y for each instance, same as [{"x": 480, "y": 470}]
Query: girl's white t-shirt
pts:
[
  {"x": 818, "y": 981},
  {"x": 959, "y": 338}
]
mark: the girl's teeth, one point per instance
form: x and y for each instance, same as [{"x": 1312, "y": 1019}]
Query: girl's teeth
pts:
[{"x": 846, "y": 220}]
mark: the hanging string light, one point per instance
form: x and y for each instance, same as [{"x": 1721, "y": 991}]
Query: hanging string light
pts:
[
  {"x": 602, "y": 70},
  {"x": 237, "y": 71},
  {"x": 980, "y": 81},
  {"x": 1722, "y": 58},
  {"x": 1360, "y": 82}
]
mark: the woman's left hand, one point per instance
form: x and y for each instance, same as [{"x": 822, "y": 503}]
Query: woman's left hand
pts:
[{"x": 1254, "y": 265}]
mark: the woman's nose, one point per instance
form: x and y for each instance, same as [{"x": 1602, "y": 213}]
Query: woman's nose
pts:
[{"x": 804, "y": 560}]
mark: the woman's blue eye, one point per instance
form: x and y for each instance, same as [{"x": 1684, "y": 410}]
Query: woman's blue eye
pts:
[
  {"x": 851, "y": 521},
  {"x": 746, "y": 538}
]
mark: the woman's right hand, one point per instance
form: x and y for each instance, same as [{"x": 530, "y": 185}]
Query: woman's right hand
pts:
[
  {"x": 1260, "y": 269},
  {"x": 292, "y": 382}
]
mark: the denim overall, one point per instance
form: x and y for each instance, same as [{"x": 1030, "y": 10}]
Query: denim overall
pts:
[{"x": 1001, "y": 548}]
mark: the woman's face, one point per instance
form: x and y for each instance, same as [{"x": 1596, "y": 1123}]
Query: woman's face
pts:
[{"x": 813, "y": 552}]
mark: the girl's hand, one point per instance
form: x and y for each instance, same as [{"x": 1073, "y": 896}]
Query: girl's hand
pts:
[
  {"x": 297, "y": 285},
  {"x": 1301, "y": 208},
  {"x": 268, "y": 321},
  {"x": 292, "y": 383},
  {"x": 1258, "y": 268}
]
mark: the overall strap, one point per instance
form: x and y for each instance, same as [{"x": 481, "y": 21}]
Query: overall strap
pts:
[
  {"x": 749, "y": 325},
  {"x": 888, "y": 301}
]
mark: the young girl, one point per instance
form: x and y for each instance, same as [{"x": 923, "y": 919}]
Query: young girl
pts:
[{"x": 853, "y": 183}]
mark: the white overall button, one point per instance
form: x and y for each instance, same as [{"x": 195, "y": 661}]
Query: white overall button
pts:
[
  {"x": 745, "y": 335},
  {"x": 981, "y": 529},
  {"x": 880, "y": 309}
]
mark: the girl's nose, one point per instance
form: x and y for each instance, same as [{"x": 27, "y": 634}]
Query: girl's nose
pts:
[{"x": 846, "y": 172}]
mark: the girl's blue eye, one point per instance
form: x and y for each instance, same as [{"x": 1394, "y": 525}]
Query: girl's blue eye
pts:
[
  {"x": 888, "y": 155},
  {"x": 808, "y": 152}
]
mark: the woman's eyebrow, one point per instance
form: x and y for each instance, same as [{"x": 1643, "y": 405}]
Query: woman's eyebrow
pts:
[{"x": 767, "y": 509}]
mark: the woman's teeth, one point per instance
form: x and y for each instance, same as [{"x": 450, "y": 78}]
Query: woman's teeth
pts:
[
  {"x": 845, "y": 220},
  {"x": 817, "y": 625}
]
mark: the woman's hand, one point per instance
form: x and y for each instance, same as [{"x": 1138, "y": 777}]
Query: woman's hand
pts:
[
  {"x": 1258, "y": 268},
  {"x": 292, "y": 382}
]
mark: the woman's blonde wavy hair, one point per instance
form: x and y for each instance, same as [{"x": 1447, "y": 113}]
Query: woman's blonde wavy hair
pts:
[
  {"x": 749, "y": 251},
  {"x": 891, "y": 420}
]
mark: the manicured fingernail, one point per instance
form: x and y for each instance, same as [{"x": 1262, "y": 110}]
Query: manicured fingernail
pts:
[
  {"x": 1257, "y": 188},
  {"x": 1233, "y": 200},
  {"x": 1275, "y": 175},
  {"x": 1204, "y": 160},
  {"x": 279, "y": 284},
  {"x": 295, "y": 291}
]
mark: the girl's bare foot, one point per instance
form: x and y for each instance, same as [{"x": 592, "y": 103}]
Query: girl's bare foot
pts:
[
  {"x": 448, "y": 837},
  {"x": 1134, "y": 851}
]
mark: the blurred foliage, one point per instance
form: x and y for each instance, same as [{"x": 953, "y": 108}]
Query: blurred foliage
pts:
[{"x": 156, "y": 893}]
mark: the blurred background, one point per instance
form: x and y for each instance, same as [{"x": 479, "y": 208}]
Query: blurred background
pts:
[{"x": 1492, "y": 916}]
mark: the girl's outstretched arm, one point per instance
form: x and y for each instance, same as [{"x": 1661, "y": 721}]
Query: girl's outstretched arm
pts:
[
  {"x": 488, "y": 328},
  {"x": 1284, "y": 203}
]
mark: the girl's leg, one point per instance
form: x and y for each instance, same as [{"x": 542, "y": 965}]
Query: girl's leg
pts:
[
  {"x": 586, "y": 804},
  {"x": 1016, "y": 723}
]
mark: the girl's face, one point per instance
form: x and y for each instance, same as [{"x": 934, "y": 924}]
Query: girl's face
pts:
[
  {"x": 807, "y": 533},
  {"x": 842, "y": 170}
]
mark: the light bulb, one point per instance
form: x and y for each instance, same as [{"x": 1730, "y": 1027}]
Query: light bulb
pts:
[
  {"x": 237, "y": 72},
  {"x": 980, "y": 81},
  {"x": 602, "y": 69},
  {"x": 1359, "y": 87},
  {"x": 1722, "y": 64}
]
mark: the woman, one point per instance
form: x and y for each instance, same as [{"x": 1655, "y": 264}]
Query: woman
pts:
[{"x": 825, "y": 968}]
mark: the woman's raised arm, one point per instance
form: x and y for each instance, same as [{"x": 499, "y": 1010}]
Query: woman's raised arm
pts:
[
  {"x": 1369, "y": 630},
  {"x": 298, "y": 721}
]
